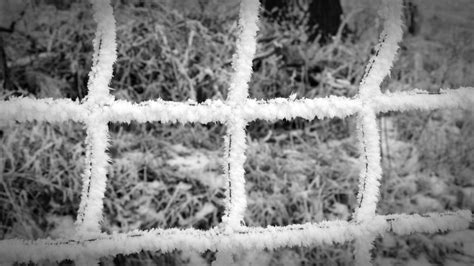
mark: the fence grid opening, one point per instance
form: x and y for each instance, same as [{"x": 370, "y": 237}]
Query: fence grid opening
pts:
[{"x": 231, "y": 236}]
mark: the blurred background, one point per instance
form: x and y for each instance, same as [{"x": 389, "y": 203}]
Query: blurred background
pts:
[{"x": 298, "y": 171}]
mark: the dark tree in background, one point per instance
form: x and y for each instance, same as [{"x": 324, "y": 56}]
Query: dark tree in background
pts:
[
  {"x": 412, "y": 17},
  {"x": 324, "y": 19},
  {"x": 324, "y": 16},
  {"x": 275, "y": 9}
]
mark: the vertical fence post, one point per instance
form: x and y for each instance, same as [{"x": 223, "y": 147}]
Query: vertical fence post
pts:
[
  {"x": 368, "y": 132},
  {"x": 99, "y": 108},
  {"x": 235, "y": 141},
  {"x": 95, "y": 174}
]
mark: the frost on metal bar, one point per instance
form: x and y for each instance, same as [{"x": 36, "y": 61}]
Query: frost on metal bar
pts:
[
  {"x": 255, "y": 238},
  {"x": 381, "y": 62},
  {"x": 403, "y": 224},
  {"x": 95, "y": 175},
  {"x": 235, "y": 146},
  {"x": 99, "y": 108},
  {"x": 378, "y": 68},
  {"x": 62, "y": 110},
  {"x": 369, "y": 139},
  {"x": 29, "y": 110},
  {"x": 422, "y": 100}
]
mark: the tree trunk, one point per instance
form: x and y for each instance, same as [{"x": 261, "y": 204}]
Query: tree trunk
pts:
[
  {"x": 324, "y": 19},
  {"x": 4, "y": 72},
  {"x": 324, "y": 16},
  {"x": 276, "y": 10}
]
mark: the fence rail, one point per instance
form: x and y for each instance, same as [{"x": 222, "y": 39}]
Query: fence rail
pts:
[
  {"x": 99, "y": 108},
  {"x": 255, "y": 238},
  {"x": 63, "y": 110}
]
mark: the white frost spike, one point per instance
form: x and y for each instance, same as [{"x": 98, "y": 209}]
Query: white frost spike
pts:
[
  {"x": 246, "y": 47},
  {"x": 292, "y": 96},
  {"x": 371, "y": 169},
  {"x": 90, "y": 212},
  {"x": 100, "y": 108},
  {"x": 381, "y": 63},
  {"x": 250, "y": 238},
  {"x": 379, "y": 66},
  {"x": 62, "y": 110},
  {"x": 237, "y": 200},
  {"x": 105, "y": 52},
  {"x": 86, "y": 178},
  {"x": 377, "y": 69},
  {"x": 94, "y": 178},
  {"x": 238, "y": 92}
]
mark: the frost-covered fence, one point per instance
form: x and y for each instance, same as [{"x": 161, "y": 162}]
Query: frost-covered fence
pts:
[{"x": 232, "y": 236}]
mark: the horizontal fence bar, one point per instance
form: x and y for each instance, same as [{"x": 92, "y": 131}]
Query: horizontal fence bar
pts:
[
  {"x": 422, "y": 100},
  {"x": 404, "y": 224},
  {"x": 27, "y": 109},
  {"x": 168, "y": 112},
  {"x": 282, "y": 108},
  {"x": 249, "y": 238}
]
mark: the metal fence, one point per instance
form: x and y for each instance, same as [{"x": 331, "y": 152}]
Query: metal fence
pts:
[{"x": 231, "y": 236}]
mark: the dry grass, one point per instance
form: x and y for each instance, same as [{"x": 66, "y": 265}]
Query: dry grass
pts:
[{"x": 166, "y": 175}]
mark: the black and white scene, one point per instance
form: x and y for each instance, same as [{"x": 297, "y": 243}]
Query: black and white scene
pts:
[{"x": 237, "y": 132}]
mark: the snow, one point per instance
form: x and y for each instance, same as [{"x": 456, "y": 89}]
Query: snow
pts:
[{"x": 99, "y": 108}]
